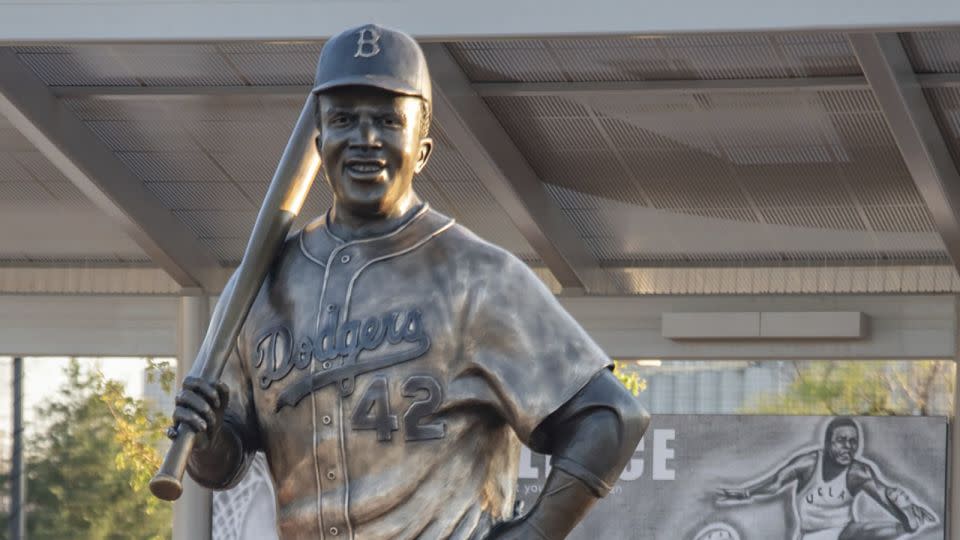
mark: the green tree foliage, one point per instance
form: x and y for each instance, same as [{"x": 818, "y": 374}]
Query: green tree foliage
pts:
[
  {"x": 867, "y": 388},
  {"x": 88, "y": 468},
  {"x": 630, "y": 379},
  {"x": 138, "y": 430}
]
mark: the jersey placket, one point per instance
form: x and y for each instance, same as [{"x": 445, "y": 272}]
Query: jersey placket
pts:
[{"x": 329, "y": 429}]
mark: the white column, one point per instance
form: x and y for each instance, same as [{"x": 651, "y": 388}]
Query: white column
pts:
[
  {"x": 191, "y": 513},
  {"x": 953, "y": 466}
]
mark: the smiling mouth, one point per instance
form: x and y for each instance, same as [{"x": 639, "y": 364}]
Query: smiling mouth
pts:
[{"x": 366, "y": 167}]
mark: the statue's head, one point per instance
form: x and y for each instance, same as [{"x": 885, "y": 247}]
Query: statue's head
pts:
[
  {"x": 373, "y": 113},
  {"x": 842, "y": 441}
]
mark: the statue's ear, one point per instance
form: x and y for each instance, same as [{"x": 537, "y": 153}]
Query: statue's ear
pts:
[{"x": 426, "y": 149}]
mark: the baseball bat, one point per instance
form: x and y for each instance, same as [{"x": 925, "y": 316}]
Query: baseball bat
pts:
[{"x": 297, "y": 169}]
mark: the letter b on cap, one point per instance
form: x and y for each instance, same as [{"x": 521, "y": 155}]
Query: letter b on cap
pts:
[{"x": 368, "y": 44}]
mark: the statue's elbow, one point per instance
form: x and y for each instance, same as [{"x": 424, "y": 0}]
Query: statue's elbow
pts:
[{"x": 635, "y": 419}]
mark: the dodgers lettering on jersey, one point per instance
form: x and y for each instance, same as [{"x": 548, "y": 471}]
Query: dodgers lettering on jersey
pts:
[{"x": 390, "y": 380}]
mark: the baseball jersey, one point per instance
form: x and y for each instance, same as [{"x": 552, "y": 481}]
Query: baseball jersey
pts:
[{"x": 390, "y": 380}]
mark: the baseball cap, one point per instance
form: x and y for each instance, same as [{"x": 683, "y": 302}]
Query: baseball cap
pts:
[{"x": 371, "y": 55}]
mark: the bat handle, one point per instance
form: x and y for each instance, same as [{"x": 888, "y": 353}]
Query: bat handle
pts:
[{"x": 167, "y": 484}]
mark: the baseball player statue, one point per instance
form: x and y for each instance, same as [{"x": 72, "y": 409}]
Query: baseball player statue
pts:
[{"x": 392, "y": 361}]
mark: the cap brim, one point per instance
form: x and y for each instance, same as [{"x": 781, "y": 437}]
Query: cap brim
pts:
[{"x": 390, "y": 84}]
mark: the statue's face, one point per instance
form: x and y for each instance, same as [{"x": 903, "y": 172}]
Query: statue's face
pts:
[
  {"x": 371, "y": 147},
  {"x": 843, "y": 444}
]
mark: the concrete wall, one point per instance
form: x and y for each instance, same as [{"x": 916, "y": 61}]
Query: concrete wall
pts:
[
  {"x": 899, "y": 326},
  {"x": 88, "y": 325}
]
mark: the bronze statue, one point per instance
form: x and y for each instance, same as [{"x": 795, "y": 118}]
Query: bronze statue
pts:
[{"x": 392, "y": 361}]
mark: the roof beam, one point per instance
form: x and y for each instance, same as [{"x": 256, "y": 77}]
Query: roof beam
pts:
[
  {"x": 222, "y": 20},
  {"x": 504, "y": 171},
  {"x": 900, "y": 96},
  {"x": 178, "y": 92},
  {"x": 492, "y": 89},
  {"x": 63, "y": 139},
  {"x": 628, "y": 88}
]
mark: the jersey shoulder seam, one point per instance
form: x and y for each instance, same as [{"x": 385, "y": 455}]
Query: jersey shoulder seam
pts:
[{"x": 303, "y": 249}]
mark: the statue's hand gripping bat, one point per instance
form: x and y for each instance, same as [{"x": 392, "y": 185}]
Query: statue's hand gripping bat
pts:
[{"x": 291, "y": 182}]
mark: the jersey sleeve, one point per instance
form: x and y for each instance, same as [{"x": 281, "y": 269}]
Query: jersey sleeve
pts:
[{"x": 531, "y": 354}]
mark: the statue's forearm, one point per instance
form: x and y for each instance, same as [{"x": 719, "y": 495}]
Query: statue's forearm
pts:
[
  {"x": 591, "y": 443},
  {"x": 564, "y": 501}
]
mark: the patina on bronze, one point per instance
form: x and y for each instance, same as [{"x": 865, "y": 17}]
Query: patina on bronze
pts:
[{"x": 392, "y": 361}]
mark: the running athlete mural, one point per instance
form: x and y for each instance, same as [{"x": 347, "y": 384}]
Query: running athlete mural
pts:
[
  {"x": 685, "y": 457},
  {"x": 826, "y": 483}
]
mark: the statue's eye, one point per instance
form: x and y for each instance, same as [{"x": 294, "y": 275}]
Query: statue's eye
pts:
[{"x": 339, "y": 120}]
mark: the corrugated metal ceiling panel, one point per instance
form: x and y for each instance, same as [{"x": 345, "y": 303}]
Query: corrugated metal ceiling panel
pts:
[
  {"x": 28, "y": 191},
  {"x": 283, "y": 68},
  {"x": 945, "y": 104},
  {"x": 494, "y": 225},
  {"x": 658, "y": 57},
  {"x": 66, "y": 191},
  {"x": 142, "y": 137},
  {"x": 228, "y": 251},
  {"x": 201, "y": 196},
  {"x": 806, "y": 160},
  {"x": 786, "y": 158},
  {"x": 173, "y": 166},
  {"x": 274, "y": 63},
  {"x": 933, "y": 52},
  {"x": 40, "y": 167},
  {"x": 247, "y": 168},
  {"x": 131, "y": 64},
  {"x": 34, "y": 178},
  {"x": 451, "y": 186},
  {"x": 82, "y": 65},
  {"x": 11, "y": 170},
  {"x": 187, "y": 64},
  {"x": 245, "y": 137},
  {"x": 219, "y": 223},
  {"x": 11, "y": 139}
]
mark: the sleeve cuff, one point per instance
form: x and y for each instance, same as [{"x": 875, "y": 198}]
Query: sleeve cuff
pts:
[{"x": 574, "y": 469}]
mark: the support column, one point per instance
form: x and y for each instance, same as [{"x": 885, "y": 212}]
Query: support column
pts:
[
  {"x": 191, "y": 513},
  {"x": 18, "y": 491},
  {"x": 953, "y": 466}
]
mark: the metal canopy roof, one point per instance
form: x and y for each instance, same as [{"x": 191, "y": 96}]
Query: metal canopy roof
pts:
[
  {"x": 738, "y": 150},
  {"x": 259, "y": 20}
]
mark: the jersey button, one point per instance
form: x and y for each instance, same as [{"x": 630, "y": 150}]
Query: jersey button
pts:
[
  {"x": 325, "y": 364},
  {"x": 331, "y": 475},
  {"x": 334, "y": 531},
  {"x": 345, "y": 259},
  {"x": 326, "y": 420}
]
